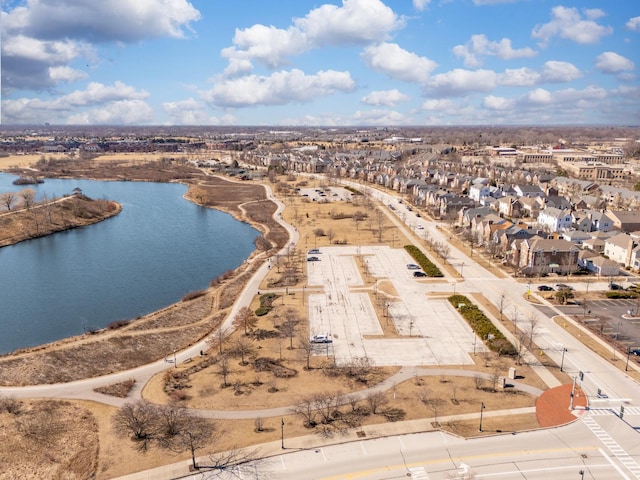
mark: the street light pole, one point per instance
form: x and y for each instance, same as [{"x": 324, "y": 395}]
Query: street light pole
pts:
[
  {"x": 282, "y": 433},
  {"x": 481, "y": 410},
  {"x": 562, "y": 362},
  {"x": 626, "y": 367}
]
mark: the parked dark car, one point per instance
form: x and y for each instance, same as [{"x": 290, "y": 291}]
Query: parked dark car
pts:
[
  {"x": 544, "y": 288},
  {"x": 615, "y": 286},
  {"x": 419, "y": 274},
  {"x": 562, "y": 286},
  {"x": 313, "y": 259}
]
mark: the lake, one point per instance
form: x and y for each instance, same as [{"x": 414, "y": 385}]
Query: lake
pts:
[{"x": 158, "y": 248}]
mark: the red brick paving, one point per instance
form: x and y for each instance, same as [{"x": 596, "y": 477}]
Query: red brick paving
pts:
[{"x": 552, "y": 407}]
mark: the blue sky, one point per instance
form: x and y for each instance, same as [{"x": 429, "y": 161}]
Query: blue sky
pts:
[{"x": 320, "y": 63}]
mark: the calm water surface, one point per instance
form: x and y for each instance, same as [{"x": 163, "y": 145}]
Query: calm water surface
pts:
[{"x": 157, "y": 249}]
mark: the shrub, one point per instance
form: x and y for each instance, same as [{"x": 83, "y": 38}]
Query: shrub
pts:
[
  {"x": 261, "y": 311},
  {"x": 482, "y": 326},
  {"x": 620, "y": 294},
  {"x": 193, "y": 295},
  {"x": 421, "y": 259}
]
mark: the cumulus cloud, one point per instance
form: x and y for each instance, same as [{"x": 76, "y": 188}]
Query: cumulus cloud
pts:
[
  {"x": 279, "y": 88},
  {"x": 42, "y": 37},
  {"x": 398, "y": 63},
  {"x": 65, "y": 74},
  {"x": 193, "y": 112},
  {"x": 126, "y": 112},
  {"x": 611, "y": 62},
  {"x": 437, "y": 104},
  {"x": 378, "y": 117},
  {"x": 569, "y": 24},
  {"x": 459, "y": 82},
  {"x": 541, "y": 97},
  {"x": 103, "y": 21},
  {"x": 355, "y": 22},
  {"x": 98, "y": 103},
  {"x": 559, "y": 72},
  {"x": 633, "y": 24},
  {"x": 479, "y": 45},
  {"x": 389, "y": 98}
]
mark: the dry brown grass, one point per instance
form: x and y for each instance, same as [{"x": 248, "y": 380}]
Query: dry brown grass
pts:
[{"x": 185, "y": 322}]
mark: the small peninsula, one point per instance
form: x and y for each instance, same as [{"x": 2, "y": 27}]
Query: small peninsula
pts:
[{"x": 38, "y": 219}]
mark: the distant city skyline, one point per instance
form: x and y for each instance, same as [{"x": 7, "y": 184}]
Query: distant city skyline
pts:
[{"x": 327, "y": 63}]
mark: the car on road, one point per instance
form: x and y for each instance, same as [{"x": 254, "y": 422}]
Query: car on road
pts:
[
  {"x": 635, "y": 351},
  {"x": 419, "y": 227},
  {"x": 544, "y": 288},
  {"x": 413, "y": 266},
  {"x": 615, "y": 286},
  {"x": 419, "y": 274},
  {"x": 563, "y": 286},
  {"x": 320, "y": 339},
  {"x": 313, "y": 259},
  {"x": 314, "y": 251}
]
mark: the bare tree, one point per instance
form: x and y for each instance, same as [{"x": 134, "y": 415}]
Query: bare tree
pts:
[
  {"x": 8, "y": 199},
  {"x": 307, "y": 349},
  {"x": 242, "y": 348},
  {"x": 224, "y": 369},
  {"x": 193, "y": 434},
  {"x": 326, "y": 404},
  {"x": 502, "y": 301},
  {"x": 305, "y": 408},
  {"x": 220, "y": 337},
  {"x": 375, "y": 400},
  {"x": 28, "y": 197},
  {"x": 138, "y": 419},
  {"x": 245, "y": 319}
]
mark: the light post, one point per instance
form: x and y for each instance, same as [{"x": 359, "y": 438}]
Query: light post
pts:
[
  {"x": 626, "y": 367},
  {"x": 529, "y": 290},
  {"x": 562, "y": 361},
  {"x": 175, "y": 364},
  {"x": 481, "y": 410},
  {"x": 581, "y": 473},
  {"x": 461, "y": 267},
  {"x": 282, "y": 433}
]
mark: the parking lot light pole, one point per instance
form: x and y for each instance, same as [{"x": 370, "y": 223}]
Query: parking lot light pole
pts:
[
  {"x": 626, "y": 367},
  {"x": 562, "y": 361}
]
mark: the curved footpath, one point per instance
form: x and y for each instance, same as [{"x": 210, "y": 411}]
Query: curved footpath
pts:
[{"x": 84, "y": 389}]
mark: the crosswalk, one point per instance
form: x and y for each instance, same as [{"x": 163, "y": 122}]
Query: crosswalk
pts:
[
  {"x": 614, "y": 411},
  {"x": 616, "y": 450},
  {"x": 418, "y": 473}
]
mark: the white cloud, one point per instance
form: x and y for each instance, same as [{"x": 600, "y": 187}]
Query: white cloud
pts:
[
  {"x": 355, "y": 22},
  {"x": 567, "y": 23},
  {"x": 279, "y": 88},
  {"x": 497, "y": 103},
  {"x": 420, "y": 5},
  {"x": 39, "y": 37},
  {"x": 126, "y": 112},
  {"x": 65, "y": 74},
  {"x": 519, "y": 77},
  {"x": 398, "y": 63},
  {"x": 460, "y": 82},
  {"x": 559, "y": 72},
  {"x": 479, "y": 45},
  {"x": 193, "y": 112},
  {"x": 439, "y": 104},
  {"x": 611, "y": 62},
  {"x": 103, "y": 21},
  {"x": 633, "y": 24},
  {"x": 389, "y": 98},
  {"x": 117, "y": 103},
  {"x": 378, "y": 117}
]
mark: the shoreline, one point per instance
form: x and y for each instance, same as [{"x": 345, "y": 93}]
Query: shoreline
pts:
[{"x": 108, "y": 334}]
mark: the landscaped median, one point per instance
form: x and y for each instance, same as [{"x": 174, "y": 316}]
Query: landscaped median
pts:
[
  {"x": 482, "y": 326},
  {"x": 421, "y": 259}
]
